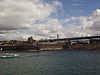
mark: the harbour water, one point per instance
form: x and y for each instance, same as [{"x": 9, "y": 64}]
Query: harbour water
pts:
[{"x": 69, "y": 62}]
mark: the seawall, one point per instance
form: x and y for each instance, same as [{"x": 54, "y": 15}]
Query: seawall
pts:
[{"x": 69, "y": 47}]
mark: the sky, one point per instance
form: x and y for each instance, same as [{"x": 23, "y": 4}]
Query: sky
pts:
[{"x": 44, "y": 19}]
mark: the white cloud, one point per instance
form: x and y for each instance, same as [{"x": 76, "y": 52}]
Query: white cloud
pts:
[
  {"x": 56, "y": 3},
  {"x": 77, "y": 4},
  {"x": 84, "y": 25},
  {"x": 20, "y": 19},
  {"x": 47, "y": 30},
  {"x": 19, "y": 14}
]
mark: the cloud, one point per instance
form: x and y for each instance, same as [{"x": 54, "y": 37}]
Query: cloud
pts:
[
  {"x": 19, "y": 14},
  {"x": 46, "y": 30},
  {"x": 95, "y": 20},
  {"x": 78, "y": 1},
  {"x": 91, "y": 22},
  {"x": 18, "y": 17},
  {"x": 77, "y": 11},
  {"x": 83, "y": 25},
  {"x": 77, "y": 4},
  {"x": 75, "y": 26},
  {"x": 50, "y": 27},
  {"x": 56, "y": 3}
]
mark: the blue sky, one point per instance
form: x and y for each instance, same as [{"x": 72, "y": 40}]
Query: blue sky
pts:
[
  {"x": 79, "y": 7},
  {"x": 44, "y": 19}
]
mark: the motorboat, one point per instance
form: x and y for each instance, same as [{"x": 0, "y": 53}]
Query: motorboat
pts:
[
  {"x": 11, "y": 56},
  {"x": 0, "y": 49}
]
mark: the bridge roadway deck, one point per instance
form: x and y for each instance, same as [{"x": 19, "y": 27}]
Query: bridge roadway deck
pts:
[{"x": 76, "y": 38}]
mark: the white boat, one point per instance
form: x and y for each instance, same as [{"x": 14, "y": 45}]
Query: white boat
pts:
[
  {"x": 11, "y": 56},
  {"x": 0, "y": 49}
]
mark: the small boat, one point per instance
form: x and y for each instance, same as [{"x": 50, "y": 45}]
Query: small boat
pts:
[
  {"x": 1, "y": 49},
  {"x": 11, "y": 56}
]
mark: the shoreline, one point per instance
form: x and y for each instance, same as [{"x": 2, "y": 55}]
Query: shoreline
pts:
[{"x": 51, "y": 50}]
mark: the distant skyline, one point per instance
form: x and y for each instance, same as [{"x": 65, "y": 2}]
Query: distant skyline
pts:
[{"x": 44, "y": 19}]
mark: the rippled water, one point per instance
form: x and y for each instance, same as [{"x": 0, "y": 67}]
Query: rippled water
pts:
[{"x": 70, "y": 62}]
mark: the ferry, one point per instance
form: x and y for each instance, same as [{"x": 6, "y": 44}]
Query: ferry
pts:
[{"x": 10, "y": 56}]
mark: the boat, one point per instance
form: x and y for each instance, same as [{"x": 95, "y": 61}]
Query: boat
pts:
[
  {"x": 11, "y": 56},
  {"x": 0, "y": 49}
]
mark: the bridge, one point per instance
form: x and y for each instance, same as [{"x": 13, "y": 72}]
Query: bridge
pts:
[
  {"x": 75, "y": 38},
  {"x": 71, "y": 43}
]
